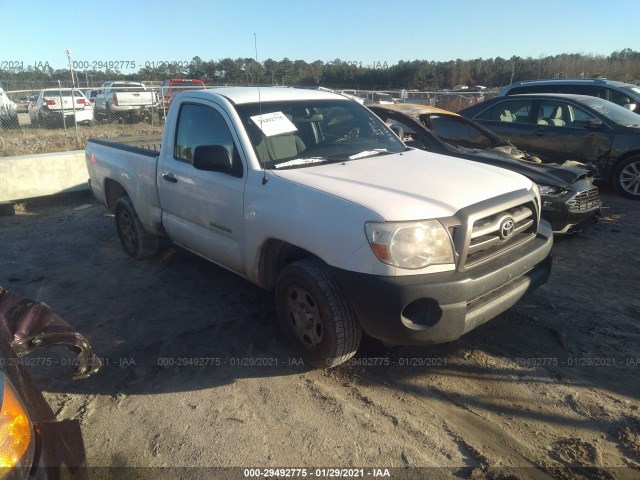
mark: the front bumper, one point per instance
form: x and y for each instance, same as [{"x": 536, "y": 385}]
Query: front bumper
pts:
[
  {"x": 441, "y": 307},
  {"x": 68, "y": 115},
  {"x": 573, "y": 211}
]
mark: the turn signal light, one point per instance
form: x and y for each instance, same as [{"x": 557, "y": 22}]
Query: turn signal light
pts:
[{"x": 17, "y": 440}]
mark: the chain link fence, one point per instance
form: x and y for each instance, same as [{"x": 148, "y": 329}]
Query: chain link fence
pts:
[
  {"x": 52, "y": 116},
  {"x": 451, "y": 100}
]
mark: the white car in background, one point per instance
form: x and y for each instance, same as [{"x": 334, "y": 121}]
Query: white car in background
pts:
[
  {"x": 55, "y": 104},
  {"x": 8, "y": 111}
]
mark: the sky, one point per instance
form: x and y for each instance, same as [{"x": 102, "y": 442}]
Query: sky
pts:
[{"x": 367, "y": 32}]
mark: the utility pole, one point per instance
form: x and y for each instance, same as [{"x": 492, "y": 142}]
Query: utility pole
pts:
[{"x": 73, "y": 98}]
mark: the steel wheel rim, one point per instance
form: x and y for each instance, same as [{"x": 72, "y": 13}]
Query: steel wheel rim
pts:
[
  {"x": 630, "y": 178},
  {"x": 304, "y": 317},
  {"x": 127, "y": 231}
]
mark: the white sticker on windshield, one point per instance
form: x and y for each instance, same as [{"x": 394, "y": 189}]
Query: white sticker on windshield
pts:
[{"x": 275, "y": 123}]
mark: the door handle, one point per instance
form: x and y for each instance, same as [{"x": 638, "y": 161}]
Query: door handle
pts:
[
  {"x": 540, "y": 132},
  {"x": 170, "y": 177}
]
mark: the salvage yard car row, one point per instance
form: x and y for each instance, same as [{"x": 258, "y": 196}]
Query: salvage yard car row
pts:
[{"x": 122, "y": 101}]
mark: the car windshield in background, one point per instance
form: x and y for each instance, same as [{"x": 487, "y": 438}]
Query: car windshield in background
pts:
[
  {"x": 306, "y": 132},
  {"x": 58, "y": 93},
  {"x": 456, "y": 132},
  {"x": 616, "y": 113}
]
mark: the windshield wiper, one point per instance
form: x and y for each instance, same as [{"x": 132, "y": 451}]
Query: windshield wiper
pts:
[
  {"x": 368, "y": 153},
  {"x": 302, "y": 161},
  {"x": 296, "y": 162}
]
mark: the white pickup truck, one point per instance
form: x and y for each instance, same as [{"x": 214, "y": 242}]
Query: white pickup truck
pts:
[
  {"x": 124, "y": 100},
  {"x": 309, "y": 194}
]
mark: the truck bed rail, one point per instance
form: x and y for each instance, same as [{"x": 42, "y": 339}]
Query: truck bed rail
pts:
[{"x": 148, "y": 145}]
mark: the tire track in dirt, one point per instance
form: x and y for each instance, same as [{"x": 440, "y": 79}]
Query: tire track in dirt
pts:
[{"x": 482, "y": 443}]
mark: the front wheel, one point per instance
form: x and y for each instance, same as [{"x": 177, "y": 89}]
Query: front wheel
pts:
[
  {"x": 135, "y": 240},
  {"x": 626, "y": 177},
  {"x": 316, "y": 315}
]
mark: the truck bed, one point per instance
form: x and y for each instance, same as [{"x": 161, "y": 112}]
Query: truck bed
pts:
[{"x": 148, "y": 145}]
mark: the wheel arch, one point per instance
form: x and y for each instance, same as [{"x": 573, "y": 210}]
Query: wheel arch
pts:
[
  {"x": 112, "y": 192},
  {"x": 616, "y": 169},
  {"x": 624, "y": 156},
  {"x": 274, "y": 255}
]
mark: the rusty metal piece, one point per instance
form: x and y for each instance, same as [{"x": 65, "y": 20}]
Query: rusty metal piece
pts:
[{"x": 29, "y": 325}]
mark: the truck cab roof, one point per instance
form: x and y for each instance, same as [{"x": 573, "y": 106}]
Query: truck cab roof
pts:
[{"x": 241, "y": 95}]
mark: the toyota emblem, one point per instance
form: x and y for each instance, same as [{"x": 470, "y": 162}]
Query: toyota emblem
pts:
[{"x": 506, "y": 228}]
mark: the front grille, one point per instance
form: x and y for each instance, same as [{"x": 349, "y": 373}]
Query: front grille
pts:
[
  {"x": 500, "y": 232},
  {"x": 585, "y": 201}
]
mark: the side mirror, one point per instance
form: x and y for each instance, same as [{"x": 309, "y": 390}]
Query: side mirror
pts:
[
  {"x": 594, "y": 124},
  {"x": 212, "y": 158},
  {"x": 630, "y": 106}
]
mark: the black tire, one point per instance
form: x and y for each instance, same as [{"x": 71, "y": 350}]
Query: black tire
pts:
[
  {"x": 135, "y": 240},
  {"x": 7, "y": 209},
  {"x": 330, "y": 333},
  {"x": 626, "y": 177}
]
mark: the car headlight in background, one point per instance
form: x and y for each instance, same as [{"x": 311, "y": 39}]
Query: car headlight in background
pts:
[
  {"x": 17, "y": 441},
  {"x": 410, "y": 245},
  {"x": 549, "y": 190}
]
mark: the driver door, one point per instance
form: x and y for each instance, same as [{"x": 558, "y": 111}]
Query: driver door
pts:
[{"x": 203, "y": 210}]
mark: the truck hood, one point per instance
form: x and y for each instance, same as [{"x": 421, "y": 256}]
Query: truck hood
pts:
[{"x": 412, "y": 185}]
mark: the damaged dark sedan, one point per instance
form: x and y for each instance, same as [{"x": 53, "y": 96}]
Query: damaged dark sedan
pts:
[
  {"x": 579, "y": 127},
  {"x": 33, "y": 443},
  {"x": 570, "y": 200}
]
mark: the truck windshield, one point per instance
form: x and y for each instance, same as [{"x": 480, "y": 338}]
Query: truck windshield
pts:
[{"x": 301, "y": 133}]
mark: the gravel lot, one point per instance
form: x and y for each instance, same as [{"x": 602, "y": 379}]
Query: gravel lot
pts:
[{"x": 197, "y": 374}]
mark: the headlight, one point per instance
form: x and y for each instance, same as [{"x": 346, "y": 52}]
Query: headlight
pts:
[
  {"x": 17, "y": 441},
  {"x": 410, "y": 245},
  {"x": 549, "y": 190}
]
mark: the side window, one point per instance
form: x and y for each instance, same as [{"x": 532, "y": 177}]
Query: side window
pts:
[
  {"x": 618, "y": 97},
  {"x": 591, "y": 90},
  {"x": 532, "y": 89},
  {"x": 553, "y": 112},
  {"x": 408, "y": 135},
  {"x": 512, "y": 111},
  {"x": 202, "y": 125},
  {"x": 457, "y": 132},
  {"x": 579, "y": 118}
]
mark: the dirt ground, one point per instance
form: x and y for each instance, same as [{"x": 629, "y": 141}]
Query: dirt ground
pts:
[{"x": 197, "y": 374}]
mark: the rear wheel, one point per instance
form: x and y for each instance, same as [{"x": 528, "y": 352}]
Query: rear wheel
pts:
[
  {"x": 316, "y": 315},
  {"x": 135, "y": 240},
  {"x": 626, "y": 177}
]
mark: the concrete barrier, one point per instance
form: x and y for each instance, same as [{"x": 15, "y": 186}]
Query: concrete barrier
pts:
[{"x": 31, "y": 176}]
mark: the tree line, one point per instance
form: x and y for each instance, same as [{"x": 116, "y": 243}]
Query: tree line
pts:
[{"x": 416, "y": 74}]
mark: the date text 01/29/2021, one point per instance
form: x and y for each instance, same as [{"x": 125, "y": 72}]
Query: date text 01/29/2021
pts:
[{"x": 316, "y": 472}]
